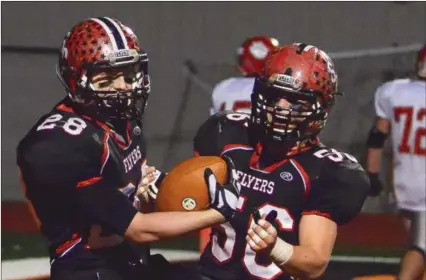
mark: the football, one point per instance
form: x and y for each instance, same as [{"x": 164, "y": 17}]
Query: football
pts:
[{"x": 184, "y": 188}]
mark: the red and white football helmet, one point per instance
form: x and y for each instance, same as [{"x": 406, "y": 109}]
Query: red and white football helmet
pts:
[
  {"x": 252, "y": 53},
  {"x": 97, "y": 45},
  {"x": 421, "y": 63},
  {"x": 302, "y": 74}
]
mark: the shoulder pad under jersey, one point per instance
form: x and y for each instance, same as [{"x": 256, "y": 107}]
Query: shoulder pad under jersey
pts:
[
  {"x": 219, "y": 130},
  {"x": 341, "y": 187},
  {"x": 64, "y": 145}
]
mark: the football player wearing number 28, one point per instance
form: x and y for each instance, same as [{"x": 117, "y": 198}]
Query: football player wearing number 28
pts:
[
  {"x": 283, "y": 169},
  {"x": 83, "y": 162}
]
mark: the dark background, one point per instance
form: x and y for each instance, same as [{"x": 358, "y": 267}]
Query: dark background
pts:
[{"x": 207, "y": 34}]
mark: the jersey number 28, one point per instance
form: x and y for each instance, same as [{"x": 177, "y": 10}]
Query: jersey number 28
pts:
[{"x": 73, "y": 126}]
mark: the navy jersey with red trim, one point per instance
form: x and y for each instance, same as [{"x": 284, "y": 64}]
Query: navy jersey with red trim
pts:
[
  {"x": 315, "y": 181},
  {"x": 79, "y": 175}
]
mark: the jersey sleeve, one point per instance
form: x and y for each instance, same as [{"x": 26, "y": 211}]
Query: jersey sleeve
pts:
[
  {"x": 339, "y": 192},
  {"x": 382, "y": 104},
  {"x": 69, "y": 169}
]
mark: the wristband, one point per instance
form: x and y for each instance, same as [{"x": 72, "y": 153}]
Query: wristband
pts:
[{"x": 281, "y": 252}]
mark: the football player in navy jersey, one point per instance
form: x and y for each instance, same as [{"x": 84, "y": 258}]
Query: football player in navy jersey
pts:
[
  {"x": 284, "y": 172},
  {"x": 82, "y": 163}
]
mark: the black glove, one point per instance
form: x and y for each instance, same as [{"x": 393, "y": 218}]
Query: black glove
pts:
[
  {"x": 375, "y": 183},
  {"x": 271, "y": 217},
  {"x": 223, "y": 198}
]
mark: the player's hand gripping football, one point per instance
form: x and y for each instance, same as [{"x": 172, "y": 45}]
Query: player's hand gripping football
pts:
[
  {"x": 223, "y": 198},
  {"x": 150, "y": 183},
  {"x": 263, "y": 235}
]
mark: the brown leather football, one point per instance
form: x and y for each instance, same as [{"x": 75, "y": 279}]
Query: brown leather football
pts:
[{"x": 184, "y": 188}]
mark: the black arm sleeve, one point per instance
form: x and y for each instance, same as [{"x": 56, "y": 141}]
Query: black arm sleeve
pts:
[
  {"x": 339, "y": 193},
  {"x": 64, "y": 176},
  {"x": 105, "y": 205}
]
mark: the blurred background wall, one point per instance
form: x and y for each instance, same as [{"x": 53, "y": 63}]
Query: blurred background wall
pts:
[{"x": 204, "y": 36}]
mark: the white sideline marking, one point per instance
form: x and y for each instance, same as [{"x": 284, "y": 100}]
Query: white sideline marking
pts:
[
  {"x": 39, "y": 267},
  {"x": 360, "y": 259}
]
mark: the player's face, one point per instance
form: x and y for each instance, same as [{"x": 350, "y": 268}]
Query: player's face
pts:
[
  {"x": 288, "y": 110},
  {"x": 114, "y": 89},
  {"x": 112, "y": 81}
]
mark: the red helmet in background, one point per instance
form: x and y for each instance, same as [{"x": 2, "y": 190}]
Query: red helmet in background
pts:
[
  {"x": 304, "y": 75},
  {"x": 252, "y": 54},
  {"x": 102, "y": 45},
  {"x": 421, "y": 63}
]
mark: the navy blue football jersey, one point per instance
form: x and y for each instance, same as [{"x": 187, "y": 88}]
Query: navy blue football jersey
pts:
[
  {"x": 79, "y": 174},
  {"x": 316, "y": 180}
]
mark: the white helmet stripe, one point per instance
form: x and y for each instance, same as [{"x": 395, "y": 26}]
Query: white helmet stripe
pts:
[
  {"x": 109, "y": 32},
  {"x": 120, "y": 30}
]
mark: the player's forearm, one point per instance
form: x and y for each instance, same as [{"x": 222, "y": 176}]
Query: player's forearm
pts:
[
  {"x": 374, "y": 159},
  {"x": 298, "y": 261},
  {"x": 156, "y": 226}
]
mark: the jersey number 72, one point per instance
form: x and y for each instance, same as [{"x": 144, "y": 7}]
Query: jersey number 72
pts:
[{"x": 407, "y": 115}]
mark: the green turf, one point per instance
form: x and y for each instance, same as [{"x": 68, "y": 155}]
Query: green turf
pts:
[{"x": 17, "y": 245}]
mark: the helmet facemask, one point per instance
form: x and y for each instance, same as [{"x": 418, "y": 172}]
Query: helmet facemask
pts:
[
  {"x": 108, "y": 105},
  {"x": 301, "y": 120}
]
